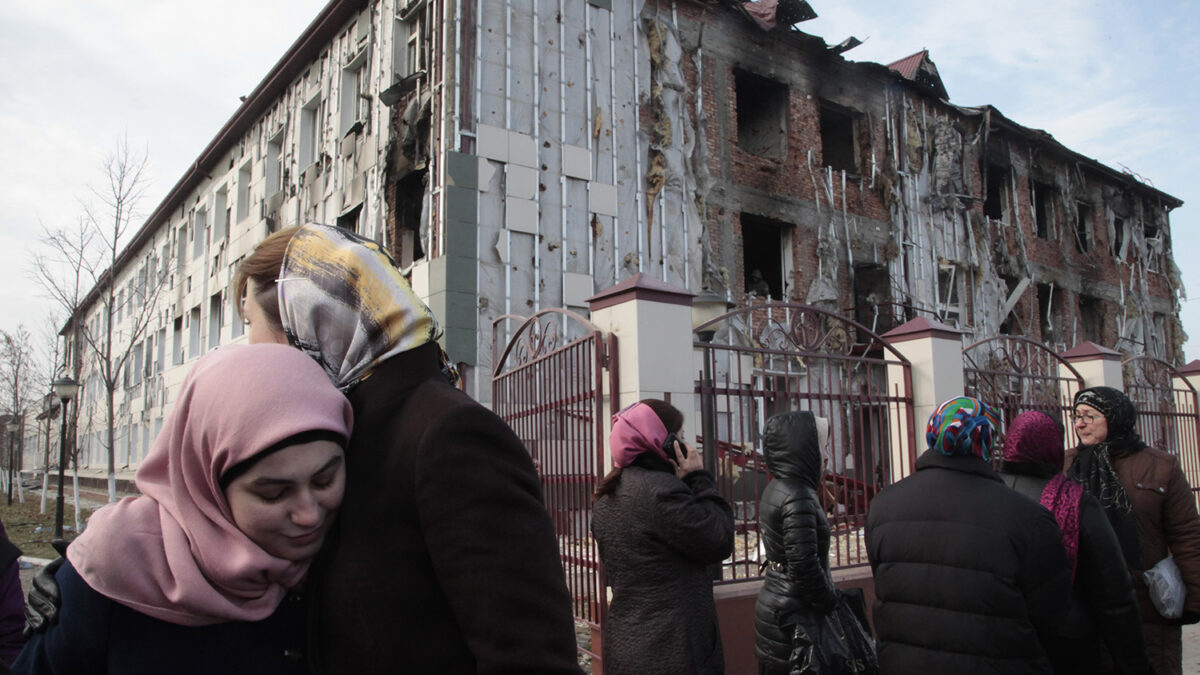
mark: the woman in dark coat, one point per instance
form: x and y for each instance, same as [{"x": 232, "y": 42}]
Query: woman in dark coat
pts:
[
  {"x": 444, "y": 559},
  {"x": 1101, "y": 632},
  {"x": 660, "y": 525},
  {"x": 795, "y": 534},
  {"x": 1150, "y": 505},
  {"x": 203, "y": 573}
]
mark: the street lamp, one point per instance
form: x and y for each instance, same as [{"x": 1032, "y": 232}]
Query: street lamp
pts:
[
  {"x": 13, "y": 427},
  {"x": 64, "y": 390}
]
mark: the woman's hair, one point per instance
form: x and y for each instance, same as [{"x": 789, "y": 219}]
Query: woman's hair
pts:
[
  {"x": 262, "y": 266},
  {"x": 671, "y": 418}
]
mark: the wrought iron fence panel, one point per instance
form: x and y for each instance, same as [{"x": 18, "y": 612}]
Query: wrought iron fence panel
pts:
[{"x": 1167, "y": 411}]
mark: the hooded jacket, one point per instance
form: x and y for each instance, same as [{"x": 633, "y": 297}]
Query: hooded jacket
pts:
[{"x": 795, "y": 533}]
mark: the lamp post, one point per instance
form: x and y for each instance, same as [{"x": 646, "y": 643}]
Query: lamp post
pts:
[
  {"x": 13, "y": 427},
  {"x": 64, "y": 390}
]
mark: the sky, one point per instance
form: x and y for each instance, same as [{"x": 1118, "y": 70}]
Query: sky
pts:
[{"x": 1115, "y": 81}]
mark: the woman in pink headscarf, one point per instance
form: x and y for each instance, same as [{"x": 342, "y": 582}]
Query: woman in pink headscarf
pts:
[
  {"x": 203, "y": 573},
  {"x": 1102, "y": 632},
  {"x": 660, "y": 524}
]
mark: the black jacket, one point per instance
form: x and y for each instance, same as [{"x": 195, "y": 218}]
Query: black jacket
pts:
[
  {"x": 95, "y": 635},
  {"x": 795, "y": 533},
  {"x": 970, "y": 577},
  {"x": 658, "y": 535},
  {"x": 444, "y": 559},
  {"x": 1103, "y": 612}
]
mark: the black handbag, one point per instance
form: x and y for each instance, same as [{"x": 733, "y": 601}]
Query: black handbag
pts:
[{"x": 836, "y": 643}]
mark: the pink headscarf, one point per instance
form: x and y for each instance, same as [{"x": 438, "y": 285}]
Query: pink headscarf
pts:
[
  {"x": 635, "y": 430},
  {"x": 175, "y": 553}
]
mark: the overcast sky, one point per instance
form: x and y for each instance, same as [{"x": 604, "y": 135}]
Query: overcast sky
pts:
[{"x": 1116, "y": 81}]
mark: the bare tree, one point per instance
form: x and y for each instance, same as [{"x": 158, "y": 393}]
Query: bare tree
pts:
[
  {"x": 18, "y": 370},
  {"x": 93, "y": 253}
]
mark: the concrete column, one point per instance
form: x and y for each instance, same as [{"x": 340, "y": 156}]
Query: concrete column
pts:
[
  {"x": 934, "y": 351},
  {"x": 653, "y": 324},
  {"x": 1098, "y": 366}
]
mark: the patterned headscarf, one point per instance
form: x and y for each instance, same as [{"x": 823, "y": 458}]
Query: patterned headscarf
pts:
[
  {"x": 1094, "y": 468},
  {"x": 1035, "y": 438},
  {"x": 343, "y": 302},
  {"x": 962, "y": 426}
]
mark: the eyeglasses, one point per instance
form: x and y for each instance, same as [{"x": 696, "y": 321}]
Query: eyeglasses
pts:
[{"x": 1087, "y": 418}]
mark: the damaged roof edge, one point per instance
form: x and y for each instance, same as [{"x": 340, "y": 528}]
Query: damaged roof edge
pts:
[
  {"x": 1045, "y": 138},
  {"x": 1037, "y": 136},
  {"x": 297, "y": 57}
]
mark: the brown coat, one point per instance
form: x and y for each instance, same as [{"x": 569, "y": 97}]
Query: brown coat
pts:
[
  {"x": 1165, "y": 511},
  {"x": 445, "y": 559}
]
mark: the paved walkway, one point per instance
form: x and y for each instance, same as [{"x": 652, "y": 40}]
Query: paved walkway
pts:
[{"x": 1191, "y": 649}]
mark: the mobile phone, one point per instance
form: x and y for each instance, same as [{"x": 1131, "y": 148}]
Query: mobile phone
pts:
[{"x": 669, "y": 448}]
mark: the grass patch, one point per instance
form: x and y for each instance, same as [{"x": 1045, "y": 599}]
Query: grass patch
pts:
[{"x": 22, "y": 521}]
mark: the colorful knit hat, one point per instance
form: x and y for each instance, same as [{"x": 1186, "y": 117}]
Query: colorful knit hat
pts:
[{"x": 962, "y": 426}]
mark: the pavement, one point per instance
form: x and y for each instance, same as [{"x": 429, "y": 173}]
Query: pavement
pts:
[{"x": 1191, "y": 649}]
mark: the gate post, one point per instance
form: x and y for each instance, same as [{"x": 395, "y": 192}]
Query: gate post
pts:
[
  {"x": 1098, "y": 366},
  {"x": 653, "y": 324},
  {"x": 934, "y": 351}
]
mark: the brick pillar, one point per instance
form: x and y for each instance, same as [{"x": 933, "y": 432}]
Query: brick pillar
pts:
[{"x": 935, "y": 352}]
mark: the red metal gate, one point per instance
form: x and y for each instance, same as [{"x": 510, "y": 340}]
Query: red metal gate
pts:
[
  {"x": 548, "y": 385},
  {"x": 776, "y": 357},
  {"x": 1014, "y": 374},
  {"x": 1167, "y": 411}
]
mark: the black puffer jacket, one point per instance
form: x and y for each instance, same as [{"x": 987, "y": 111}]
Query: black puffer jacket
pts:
[
  {"x": 970, "y": 577},
  {"x": 1103, "y": 607},
  {"x": 795, "y": 533}
]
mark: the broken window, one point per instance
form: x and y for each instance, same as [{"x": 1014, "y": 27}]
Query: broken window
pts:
[
  {"x": 243, "y": 192},
  {"x": 1045, "y": 293},
  {"x": 410, "y": 53},
  {"x": 199, "y": 233},
  {"x": 838, "y": 138},
  {"x": 221, "y": 214},
  {"x": 194, "y": 333},
  {"x": 349, "y": 219},
  {"x": 766, "y": 252},
  {"x": 274, "y": 165},
  {"x": 949, "y": 308},
  {"x": 762, "y": 111},
  {"x": 353, "y": 101},
  {"x": 1011, "y": 324},
  {"x": 1118, "y": 237},
  {"x": 310, "y": 133},
  {"x": 997, "y": 185},
  {"x": 1091, "y": 319},
  {"x": 214, "y": 320},
  {"x": 1043, "y": 209},
  {"x": 1083, "y": 227},
  {"x": 873, "y": 297},
  {"x": 410, "y": 198}
]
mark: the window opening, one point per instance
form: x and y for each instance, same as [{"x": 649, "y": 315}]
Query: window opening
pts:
[
  {"x": 762, "y": 107},
  {"x": 1043, "y": 209},
  {"x": 766, "y": 249},
  {"x": 837, "y": 138},
  {"x": 997, "y": 184},
  {"x": 1083, "y": 228}
]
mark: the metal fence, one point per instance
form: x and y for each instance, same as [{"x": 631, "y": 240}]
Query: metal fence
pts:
[
  {"x": 548, "y": 385},
  {"x": 1014, "y": 374},
  {"x": 1167, "y": 412},
  {"x": 777, "y": 357}
]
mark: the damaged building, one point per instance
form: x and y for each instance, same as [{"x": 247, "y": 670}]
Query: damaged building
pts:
[{"x": 517, "y": 155}]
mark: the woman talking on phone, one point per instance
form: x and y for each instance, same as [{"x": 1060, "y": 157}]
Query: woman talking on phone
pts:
[{"x": 660, "y": 523}]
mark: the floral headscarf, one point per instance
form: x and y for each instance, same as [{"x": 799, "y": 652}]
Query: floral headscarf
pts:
[
  {"x": 962, "y": 426},
  {"x": 344, "y": 303}
]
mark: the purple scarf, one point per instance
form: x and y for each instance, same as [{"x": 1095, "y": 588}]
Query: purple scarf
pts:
[{"x": 1035, "y": 438}]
